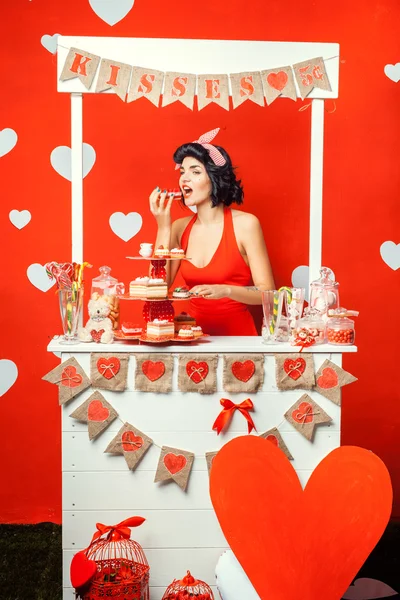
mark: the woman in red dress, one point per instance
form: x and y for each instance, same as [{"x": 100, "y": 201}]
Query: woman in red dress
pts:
[{"x": 228, "y": 256}]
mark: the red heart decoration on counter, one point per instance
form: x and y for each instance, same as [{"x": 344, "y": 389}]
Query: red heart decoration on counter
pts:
[
  {"x": 70, "y": 378},
  {"x": 197, "y": 371},
  {"x": 243, "y": 370},
  {"x": 82, "y": 570},
  {"x": 175, "y": 462},
  {"x": 345, "y": 505},
  {"x": 108, "y": 367},
  {"x": 294, "y": 368},
  {"x": 96, "y": 335},
  {"x": 328, "y": 378},
  {"x": 277, "y": 80},
  {"x": 97, "y": 412},
  {"x": 153, "y": 370},
  {"x": 131, "y": 442},
  {"x": 303, "y": 413}
]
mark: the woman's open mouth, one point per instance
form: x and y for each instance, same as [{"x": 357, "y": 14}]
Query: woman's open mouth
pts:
[{"x": 186, "y": 191}]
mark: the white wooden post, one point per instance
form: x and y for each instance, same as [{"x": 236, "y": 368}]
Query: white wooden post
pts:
[
  {"x": 77, "y": 177},
  {"x": 316, "y": 184}
]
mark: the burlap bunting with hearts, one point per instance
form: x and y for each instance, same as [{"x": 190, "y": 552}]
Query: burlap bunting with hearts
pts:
[
  {"x": 197, "y": 373},
  {"x": 305, "y": 414},
  {"x": 273, "y": 436},
  {"x": 70, "y": 378},
  {"x": 174, "y": 464},
  {"x": 130, "y": 442},
  {"x": 243, "y": 372},
  {"x": 97, "y": 413},
  {"x": 209, "y": 459},
  {"x": 154, "y": 373},
  {"x": 329, "y": 380},
  {"x": 294, "y": 371},
  {"x": 109, "y": 371},
  {"x": 310, "y": 74},
  {"x": 278, "y": 82}
]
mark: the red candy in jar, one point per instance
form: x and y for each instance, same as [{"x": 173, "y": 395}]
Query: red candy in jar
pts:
[{"x": 340, "y": 331}]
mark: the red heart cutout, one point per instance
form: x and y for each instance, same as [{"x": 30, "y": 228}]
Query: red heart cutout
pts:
[
  {"x": 131, "y": 442},
  {"x": 243, "y": 370},
  {"x": 97, "y": 412},
  {"x": 70, "y": 378},
  {"x": 273, "y": 439},
  {"x": 197, "y": 371},
  {"x": 96, "y": 335},
  {"x": 328, "y": 378},
  {"x": 303, "y": 413},
  {"x": 82, "y": 570},
  {"x": 277, "y": 80},
  {"x": 346, "y": 506},
  {"x": 294, "y": 368},
  {"x": 153, "y": 370},
  {"x": 175, "y": 462},
  {"x": 108, "y": 367}
]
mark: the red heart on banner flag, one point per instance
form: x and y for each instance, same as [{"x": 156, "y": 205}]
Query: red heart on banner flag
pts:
[
  {"x": 243, "y": 370},
  {"x": 108, "y": 367},
  {"x": 153, "y": 370},
  {"x": 174, "y": 462},
  {"x": 96, "y": 335},
  {"x": 197, "y": 371},
  {"x": 131, "y": 442},
  {"x": 303, "y": 413},
  {"x": 82, "y": 570},
  {"x": 277, "y": 80},
  {"x": 70, "y": 378},
  {"x": 97, "y": 412},
  {"x": 328, "y": 378},
  {"x": 273, "y": 439},
  {"x": 294, "y": 368}
]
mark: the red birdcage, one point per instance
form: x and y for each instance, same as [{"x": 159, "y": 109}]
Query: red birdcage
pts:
[
  {"x": 122, "y": 568},
  {"x": 187, "y": 588}
]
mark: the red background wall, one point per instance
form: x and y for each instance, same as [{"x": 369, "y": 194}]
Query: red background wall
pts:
[{"x": 134, "y": 145}]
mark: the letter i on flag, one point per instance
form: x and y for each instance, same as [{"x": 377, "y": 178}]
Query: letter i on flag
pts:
[{"x": 80, "y": 64}]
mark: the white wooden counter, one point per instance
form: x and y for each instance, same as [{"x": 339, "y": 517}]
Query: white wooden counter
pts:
[{"x": 181, "y": 531}]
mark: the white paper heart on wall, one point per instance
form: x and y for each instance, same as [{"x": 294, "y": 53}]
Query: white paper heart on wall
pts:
[
  {"x": 38, "y": 277},
  {"x": 232, "y": 581},
  {"x": 20, "y": 218},
  {"x": 390, "y": 253},
  {"x": 126, "y": 226},
  {"x": 368, "y": 589},
  {"x": 300, "y": 278},
  {"x": 50, "y": 42},
  {"x": 112, "y": 11},
  {"x": 8, "y": 139},
  {"x": 393, "y": 72},
  {"x": 60, "y": 159},
  {"x": 8, "y": 375}
]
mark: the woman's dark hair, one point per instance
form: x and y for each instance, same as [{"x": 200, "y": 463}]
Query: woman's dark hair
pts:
[{"x": 226, "y": 189}]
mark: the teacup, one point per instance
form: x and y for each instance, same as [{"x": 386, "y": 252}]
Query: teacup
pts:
[{"x": 146, "y": 250}]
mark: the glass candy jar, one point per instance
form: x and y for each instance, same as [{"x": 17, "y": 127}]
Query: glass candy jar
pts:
[
  {"x": 339, "y": 328},
  {"x": 310, "y": 328},
  {"x": 107, "y": 287},
  {"x": 324, "y": 293}
]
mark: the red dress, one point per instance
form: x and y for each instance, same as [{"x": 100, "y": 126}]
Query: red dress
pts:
[{"x": 223, "y": 316}]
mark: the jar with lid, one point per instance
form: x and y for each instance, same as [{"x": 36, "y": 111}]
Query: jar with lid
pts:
[
  {"x": 107, "y": 287},
  {"x": 339, "y": 328},
  {"x": 311, "y": 327},
  {"x": 324, "y": 293}
]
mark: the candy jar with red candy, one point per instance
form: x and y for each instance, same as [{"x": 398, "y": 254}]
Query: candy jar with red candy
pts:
[
  {"x": 340, "y": 329},
  {"x": 324, "y": 293},
  {"x": 187, "y": 588}
]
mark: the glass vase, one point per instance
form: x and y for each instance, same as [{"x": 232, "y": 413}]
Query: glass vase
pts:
[
  {"x": 275, "y": 327},
  {"x": 70, "y": 310}
]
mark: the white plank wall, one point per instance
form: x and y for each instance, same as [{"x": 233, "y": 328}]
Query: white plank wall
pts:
[{"x": 181, "y": 531}]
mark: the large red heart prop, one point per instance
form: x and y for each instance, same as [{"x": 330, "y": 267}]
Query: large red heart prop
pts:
[
  {"x": 82, "y": 569},
  {"x": 294, "y": 543},
  {"x": 131, "y": 442},
  {"x": 294, "y": 368},
  {"x": 277, "y": 80},
  {"x": 328, "y": 378},
  {"x": 174, "y": 462},
  {"x": 153, "y": 370},
  {"x": 243, "y": 370},
  {"x": 197, "y": 371},
  {"x": 108, "y": 367},
  {"x": 97, "y": 412},
  {"x": 70, "y": 378}
]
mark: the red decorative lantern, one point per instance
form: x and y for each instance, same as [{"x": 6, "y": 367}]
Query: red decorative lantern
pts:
[
  {"x": 158, "y": 270},
  {"x": 160, "y": 309},
  {"x": 122, "y": 569},
  {"x": 187, "y": 588}
]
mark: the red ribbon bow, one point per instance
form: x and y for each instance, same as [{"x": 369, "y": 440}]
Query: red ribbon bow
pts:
[
  {"x": 119, "y": 531},
  {"x": 227, "y": 413}
]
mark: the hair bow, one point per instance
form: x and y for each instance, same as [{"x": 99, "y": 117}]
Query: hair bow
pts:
[{"x": 204, "y": 140}]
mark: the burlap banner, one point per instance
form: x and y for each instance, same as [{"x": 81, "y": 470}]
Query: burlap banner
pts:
[
  {"x": 209, "y": 459},
  {"x": 109, "y": 371},
  {"x": 310, "y": 74},
  {"x": 154, "y": 375},
  {"x": 130, "y": 442},
  {"x": 243, "y": 372},
  {"x": 278, "y": 82},
  {"x": 294, "y": 371},
  {"x": 212, "y": 88},
  {"x": 146, "y": 83},
  {"x": 197, "y": 373},
  {"x": 330, "y": 378},
  {"x": 273, "y": 436},
  {"x": 174, "y": 464},
  {"x": 70, "y": 378},
  {"x": 179, "y": 86},
  {"x": 305, "y": 414},
  {"x": 114, "y": 75},
  {"x": 97, "y": 413},
  {"x": 81, "y": 64},
  {"x": 246, "y": 86}
]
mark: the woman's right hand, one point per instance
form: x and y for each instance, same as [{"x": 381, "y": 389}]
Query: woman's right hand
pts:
[{"x": 160, "y": 207}]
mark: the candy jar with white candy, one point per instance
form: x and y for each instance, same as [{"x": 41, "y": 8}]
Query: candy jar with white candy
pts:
[
  {"x": 310, "y": 329},
  {"x": 324, "y": 293}
]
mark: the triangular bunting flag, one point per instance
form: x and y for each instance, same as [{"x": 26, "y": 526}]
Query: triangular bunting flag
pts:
[
  {"x": 330, "y": 378},
  {"x": 130, "y": 442},
  {"x": 305, "y": 414},
  {"x": 174, "y": 464},
  {"x": 97, "y": 413},
  {"x": 70, "y": 378},
  {"x": 273, "y": 435}
]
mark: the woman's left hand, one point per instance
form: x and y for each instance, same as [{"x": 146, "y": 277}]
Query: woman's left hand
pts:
[{"x": 211, "y": 292}]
